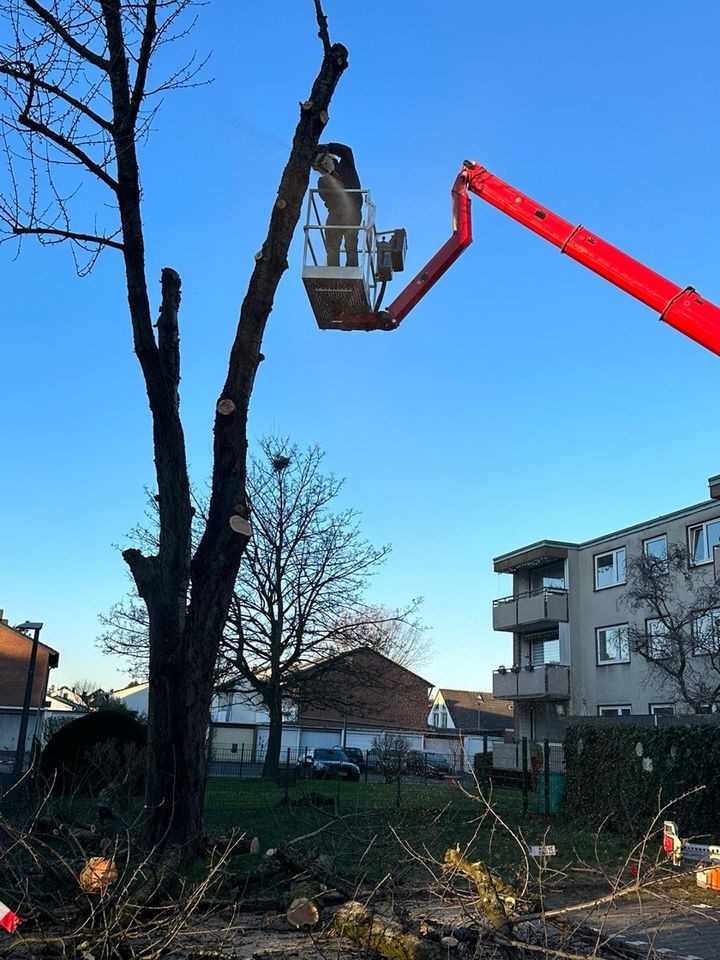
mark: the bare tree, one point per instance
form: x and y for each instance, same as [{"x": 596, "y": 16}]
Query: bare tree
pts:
[
  {"x": 305, "y": 568},
  {"x": 390, "y": 755},
  {"x": 679, "y": 635},
  {"x": 298, "y": 595},
  {"x": 397, "y": 633},
  {"x": 78, "y": 94}
]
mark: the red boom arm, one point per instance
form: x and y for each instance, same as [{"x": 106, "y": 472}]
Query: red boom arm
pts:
[{"x": 682, "y": 308}]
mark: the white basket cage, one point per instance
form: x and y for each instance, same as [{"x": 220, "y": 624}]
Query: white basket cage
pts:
[{"x": 338, "y": 291}]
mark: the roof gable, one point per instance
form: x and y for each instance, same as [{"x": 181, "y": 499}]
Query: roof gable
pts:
[{"x": 477, "y": 710}]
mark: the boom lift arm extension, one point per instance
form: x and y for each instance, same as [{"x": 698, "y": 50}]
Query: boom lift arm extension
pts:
[{"x": 682, "y": 308}]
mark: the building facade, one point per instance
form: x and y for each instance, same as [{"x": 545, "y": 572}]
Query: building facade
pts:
[
  {"x": 347, "y": 700},
  {"x": 16, "y": 648},
  {"x": 570, "y": 652}
]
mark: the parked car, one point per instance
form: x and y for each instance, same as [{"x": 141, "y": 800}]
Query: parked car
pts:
[
  {"x": 356, "y": 756},
  {"x": 427, "y": 763},
  {"x": 327, "y": 762}
]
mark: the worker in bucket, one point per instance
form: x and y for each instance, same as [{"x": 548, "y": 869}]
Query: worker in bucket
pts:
[{"x": 339, "y": 189}]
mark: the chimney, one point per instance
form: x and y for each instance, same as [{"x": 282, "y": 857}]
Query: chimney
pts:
[{"x": 714, "y": 484}]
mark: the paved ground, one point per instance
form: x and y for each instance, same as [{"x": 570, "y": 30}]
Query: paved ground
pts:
[{"x": 657, "y": 927}]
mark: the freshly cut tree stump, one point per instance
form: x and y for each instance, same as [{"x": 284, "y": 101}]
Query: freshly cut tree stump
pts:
[{"x": 375, "y": 932}]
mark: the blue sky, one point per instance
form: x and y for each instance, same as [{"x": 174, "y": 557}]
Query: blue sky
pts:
[{"x": 523, "y": 398}]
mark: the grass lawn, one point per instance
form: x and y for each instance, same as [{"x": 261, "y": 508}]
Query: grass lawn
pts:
[{"x": 374, "y": 828}]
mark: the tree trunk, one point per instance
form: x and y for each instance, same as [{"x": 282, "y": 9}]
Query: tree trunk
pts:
[
  {"x": 187, "y": 598},
  {"x": 177, "y": 757},
  {"x": 271, "y": 766},
  {"x": 185, "y": 636}
]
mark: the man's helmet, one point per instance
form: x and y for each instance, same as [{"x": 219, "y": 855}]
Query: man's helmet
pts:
[{"x": 323, "y": 161}]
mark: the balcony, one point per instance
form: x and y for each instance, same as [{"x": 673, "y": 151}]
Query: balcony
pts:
[
  {"x": 534, "y": 610},
  {"x": 549, "y": 682}
]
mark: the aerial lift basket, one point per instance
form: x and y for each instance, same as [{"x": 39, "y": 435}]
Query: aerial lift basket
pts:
[{"x": 337, "y": 292}]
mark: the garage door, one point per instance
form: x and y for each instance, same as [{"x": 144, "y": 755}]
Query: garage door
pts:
[
  {"x": 232, "y": 743},
  {"x": 319, "y": 738}
]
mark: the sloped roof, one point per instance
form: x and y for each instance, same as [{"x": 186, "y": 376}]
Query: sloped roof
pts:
[
  {"x": 346, "y": 655},
  {"x": 477, "y": 710}
]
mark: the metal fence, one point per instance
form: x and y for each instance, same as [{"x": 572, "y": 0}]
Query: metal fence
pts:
[
  {"x": 536, "y": 768},
  {"x": 245, "y": 763},
  {"x": 537, "y": 773}
]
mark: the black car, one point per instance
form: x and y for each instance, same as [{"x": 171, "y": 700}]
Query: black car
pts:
[
  {"x": 356, "y": 756},
  {"x": 427, "y": 763},
  {"x": 326, "y": 762}
]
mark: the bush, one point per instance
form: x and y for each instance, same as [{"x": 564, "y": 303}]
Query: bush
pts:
[
  {"x": 622, "y": 775},
  {"x": 95, "y": 751}
]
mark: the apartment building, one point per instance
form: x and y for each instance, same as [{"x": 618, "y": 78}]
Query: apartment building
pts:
[{"x": 570, "y": 654}]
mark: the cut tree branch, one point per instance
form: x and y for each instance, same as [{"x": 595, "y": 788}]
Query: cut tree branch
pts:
[{"x": 168, "y": 330}]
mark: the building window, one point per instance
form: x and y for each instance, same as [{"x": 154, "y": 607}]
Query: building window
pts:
[
  {"x": 610, "y": 568},
  {"x": 701, "y": 540},
  {"x": 233, "y": 748},
  {"x": 614, "y": 710},
  {"x": 662, "y": 709},
  {"x": 657, "y": 548},
  {"x": 544, "y": 648},
  {"x": 440, "y": 717},
  {"x": 550, "y": 576},
  {"x": 612, "y": 644},
  {"x": 706, "y": 633},
  {"x": 659, "y": 644}
]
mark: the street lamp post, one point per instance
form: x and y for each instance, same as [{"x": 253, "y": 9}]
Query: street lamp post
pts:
[
  {"x": 25, "y": 715},
  {"x": 348, "y": 663}
]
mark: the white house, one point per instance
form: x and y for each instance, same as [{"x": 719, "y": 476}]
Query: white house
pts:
[{"x": 134, "y": 697}]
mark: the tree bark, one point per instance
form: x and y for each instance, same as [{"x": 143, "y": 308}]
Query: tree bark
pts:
[
  {"x": 375, "y": 932},
  {"x": 273, "y": 760},
  {"x": 184, "y": 641}
]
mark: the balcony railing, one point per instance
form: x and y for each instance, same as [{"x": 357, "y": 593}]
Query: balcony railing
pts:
[
  {"x": 532, "y": 610},
  {"x": 548, "y": 682}
]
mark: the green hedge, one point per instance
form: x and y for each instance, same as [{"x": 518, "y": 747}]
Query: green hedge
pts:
[{"x": 622, "y": 775}]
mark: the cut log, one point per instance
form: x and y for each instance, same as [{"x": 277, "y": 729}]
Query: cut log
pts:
[
  {"x": 372, "y": 931},
  {"x": 247, "y": 845},
  {"x": 302, "y": 913},
  {"x": 305, "y": 901}
]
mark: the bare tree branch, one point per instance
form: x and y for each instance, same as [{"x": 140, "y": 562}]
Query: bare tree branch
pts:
[
  {"x": 149, "y": 34},
  {"x": 58, "y": 28},
  {"x": 28, "y": 76},
  {"x": 69, "y": 147},
  {"x": 68, "y": 235},
  {"x": 322, "y": 27},
  {"x": 679, "y": 631}
]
